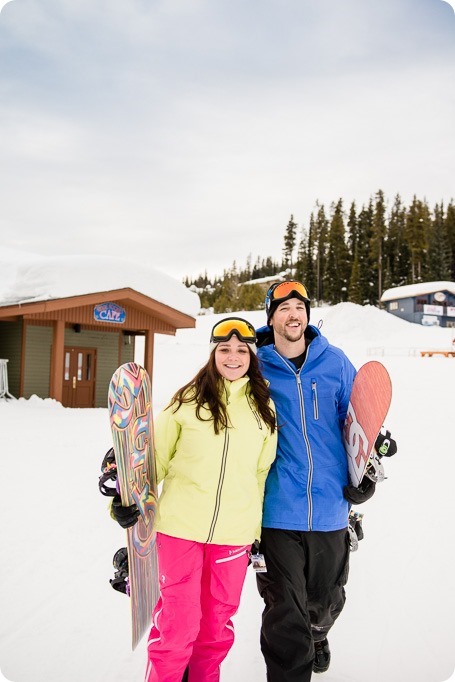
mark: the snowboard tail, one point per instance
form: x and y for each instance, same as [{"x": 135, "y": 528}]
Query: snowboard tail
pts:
[
  {"x": 130, "y": 414},
  {"x": 368, "y": 406}
]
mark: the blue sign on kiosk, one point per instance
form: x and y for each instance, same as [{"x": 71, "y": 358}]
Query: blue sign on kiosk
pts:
[{"x": 109, "y": 312}]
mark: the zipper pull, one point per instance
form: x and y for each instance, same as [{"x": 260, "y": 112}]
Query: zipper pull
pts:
[{"x": 315, "y": 398}]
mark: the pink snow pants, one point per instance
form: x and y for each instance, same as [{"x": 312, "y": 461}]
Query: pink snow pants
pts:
[{"x": 200, "y": 588}]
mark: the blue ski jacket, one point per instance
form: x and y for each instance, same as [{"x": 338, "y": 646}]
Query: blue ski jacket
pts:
[{"x": 304, "y": 488}]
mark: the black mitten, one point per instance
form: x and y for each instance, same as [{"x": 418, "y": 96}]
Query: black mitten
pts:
[
  {"x": 361, "y": 494},
  {"x": 125, "y": 516}
]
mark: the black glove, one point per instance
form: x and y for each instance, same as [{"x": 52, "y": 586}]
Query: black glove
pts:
[
  {"x": 385, "y": 446},
  {"x": 361, "y": 494},
  {"x": 125, "y": 516},
  {"x": 254, "y": 550}
]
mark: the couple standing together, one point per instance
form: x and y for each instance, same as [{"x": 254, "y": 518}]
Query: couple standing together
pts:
[{"x": 252, "y": 448}]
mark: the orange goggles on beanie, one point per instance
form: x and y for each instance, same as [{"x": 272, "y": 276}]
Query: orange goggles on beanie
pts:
[{"x": 281, "y": 291}]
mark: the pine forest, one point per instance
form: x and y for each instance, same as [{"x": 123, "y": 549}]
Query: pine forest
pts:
[{"x": 345, "y": 255}]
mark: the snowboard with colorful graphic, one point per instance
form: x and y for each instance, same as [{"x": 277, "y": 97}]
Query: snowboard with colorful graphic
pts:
[
  {"x": 368, "y": 406},
  {"x": 130, "y": 414}
]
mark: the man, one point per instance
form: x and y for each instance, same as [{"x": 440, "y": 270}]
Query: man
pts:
[{"x": 304, "y": 540}]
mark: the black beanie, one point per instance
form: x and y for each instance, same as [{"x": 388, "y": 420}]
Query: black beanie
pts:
[{"x": 274, "y": 305}]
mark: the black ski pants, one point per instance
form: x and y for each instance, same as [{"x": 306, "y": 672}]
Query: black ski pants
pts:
[{"x": 303, "y": 591}]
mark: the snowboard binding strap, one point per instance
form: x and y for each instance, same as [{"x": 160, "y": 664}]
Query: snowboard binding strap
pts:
[
  {"x": 108, "y": 473},
  {"x": 355, "y": 530},
  {"x": 121, "y": 582},
  {"x": 375, "y": 469}
]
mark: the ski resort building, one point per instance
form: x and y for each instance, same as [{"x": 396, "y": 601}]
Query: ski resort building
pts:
[
  {"x": 427, "y": 303},
  {"x": 63, "y": 334}
]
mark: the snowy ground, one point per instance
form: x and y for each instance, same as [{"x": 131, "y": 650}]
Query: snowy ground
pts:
[{"x": 60, "y": 619}]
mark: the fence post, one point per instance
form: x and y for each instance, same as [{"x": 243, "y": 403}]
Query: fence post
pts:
[{"x": 4, "y": 393}]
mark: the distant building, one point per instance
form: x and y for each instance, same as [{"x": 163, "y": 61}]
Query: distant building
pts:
[
  {"x": 66, "y": 342},
  {"x": 266, "y": 282},
  {"x": 427, "y": 303}
]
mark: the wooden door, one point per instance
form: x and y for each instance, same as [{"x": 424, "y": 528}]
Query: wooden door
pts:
[{"x": 79, "y": 372}]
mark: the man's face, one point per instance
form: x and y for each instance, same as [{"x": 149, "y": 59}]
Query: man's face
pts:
[{"x": 290, "y": 319}]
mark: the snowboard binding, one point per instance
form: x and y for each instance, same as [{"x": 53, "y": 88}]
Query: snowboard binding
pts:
[
  {"x": 108, "y": 474},
  {"x": 120, "y": 582},
  {"x": 355, "y": 530},
  {"x": 385, "y": 446}
]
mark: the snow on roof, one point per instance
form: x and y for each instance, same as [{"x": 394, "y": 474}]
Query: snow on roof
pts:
[
  {"x": 27, "y": 278},
  {"x": 410, "y": 290}
]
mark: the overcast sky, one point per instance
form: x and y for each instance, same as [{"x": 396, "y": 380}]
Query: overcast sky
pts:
[{"x": 188, "y": 131}]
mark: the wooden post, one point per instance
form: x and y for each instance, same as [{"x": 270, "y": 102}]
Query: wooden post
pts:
[
  {"x": 148, "y": 351},
  {"x": 23, "y": 348},
  {"x": 58, "y": 350}
]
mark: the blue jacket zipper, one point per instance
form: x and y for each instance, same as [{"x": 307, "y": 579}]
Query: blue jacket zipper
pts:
[{"x": 314, "y": 390}]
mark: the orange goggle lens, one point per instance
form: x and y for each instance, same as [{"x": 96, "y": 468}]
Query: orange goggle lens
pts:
[
  {"x": 285, "y": 288},
  {"x": 223, "y": 330}
]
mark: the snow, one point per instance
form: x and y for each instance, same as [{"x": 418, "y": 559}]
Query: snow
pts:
[
  {"x": 61, "y": 620},
  {"x": 419, "y": 289},
  {"x": 26, "y": 278}
]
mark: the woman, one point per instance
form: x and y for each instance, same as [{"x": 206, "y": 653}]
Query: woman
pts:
[{"x": 214, "y": 445}]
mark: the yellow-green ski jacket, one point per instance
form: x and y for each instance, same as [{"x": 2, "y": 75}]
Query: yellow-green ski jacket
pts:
[{"x": 213, "y": 484}]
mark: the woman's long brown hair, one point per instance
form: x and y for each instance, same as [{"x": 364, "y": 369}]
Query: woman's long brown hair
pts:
[{"x": 206, "y": 388}]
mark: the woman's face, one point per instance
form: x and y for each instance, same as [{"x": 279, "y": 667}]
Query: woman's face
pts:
[{"x": 232, "y": 358}]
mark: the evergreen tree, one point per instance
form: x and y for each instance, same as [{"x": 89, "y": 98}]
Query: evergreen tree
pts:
[
  {"x": 364, "y": 234},
  {"x": 396, "y": 247},
  {"x": 250, "y": 297},
  {"x": 289, "y": 243},
  {"x": 379, "y": 232},
  {"x": 301, "y": 256},
  {"x": 321, "y": 229},
  {"x": 450, "y": 231},
  {"x": 338, "y": 261},
  {"x": 355, "y": 294},
  {"x": 354, "y": 288},
  {"x": 227, "y": 293},
  {"x": 246, "y": 274},
  {"x": 305, "y": 271},
  {"x": 353, "y": 230},
  {"x": 416, "y": 232},
  {"x": 256, "y": 274},
  {"x": 438, "y": 247}
]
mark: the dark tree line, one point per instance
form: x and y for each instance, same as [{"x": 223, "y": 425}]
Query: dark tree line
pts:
[{"x": 349, "y": 254}]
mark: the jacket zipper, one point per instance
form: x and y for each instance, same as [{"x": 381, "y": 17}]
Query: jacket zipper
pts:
[
  {"x": 305, "y": 435},
  {"x": 256, "y": 414},
  {"x": 220, "y": 485},
  {"x": 314, "y": 390},
  {"x": 310, "y": 458}
]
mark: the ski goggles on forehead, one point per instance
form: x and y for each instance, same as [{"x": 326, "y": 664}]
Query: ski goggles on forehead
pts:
[
  {"x": 284, "y": 289},
  {"x": 223, "y": 330}
]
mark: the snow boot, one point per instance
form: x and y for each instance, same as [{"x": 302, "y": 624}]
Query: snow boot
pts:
[{"x": 321, "y": 656}]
